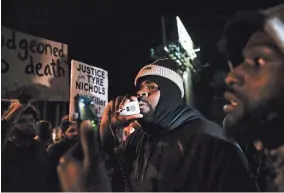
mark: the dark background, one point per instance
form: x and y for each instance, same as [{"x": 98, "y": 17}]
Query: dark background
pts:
[{"x": 117, "y": 35}]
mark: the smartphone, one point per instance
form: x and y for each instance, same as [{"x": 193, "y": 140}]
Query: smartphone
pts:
[
  {"x": 86, "y": 110},
  {"x": 130, "y": 108}
]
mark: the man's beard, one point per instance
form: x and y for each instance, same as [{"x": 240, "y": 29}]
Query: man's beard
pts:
[
  {"x": 245, "y": 130},
  {"x": 148, "y": 117}
]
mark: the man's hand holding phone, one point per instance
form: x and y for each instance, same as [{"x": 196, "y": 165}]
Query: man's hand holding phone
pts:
[
  {"x": 125, "y": 110},
  {"x": 130, "y": 107},
  {"x": 116, "y": 114}
]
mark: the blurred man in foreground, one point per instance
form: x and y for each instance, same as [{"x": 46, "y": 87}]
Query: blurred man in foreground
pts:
[{"x": 254, "y": 43}]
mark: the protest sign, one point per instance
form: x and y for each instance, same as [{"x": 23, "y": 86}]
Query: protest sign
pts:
[
  {"x": 89, "y": 81},
  {"x": 30, "y": 62}
]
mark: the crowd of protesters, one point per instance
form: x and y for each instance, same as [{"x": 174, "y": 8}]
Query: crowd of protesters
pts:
[{"x": 168, "y": 146}]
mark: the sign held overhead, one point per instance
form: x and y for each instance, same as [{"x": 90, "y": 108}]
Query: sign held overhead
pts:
[
  {"x": 91, "y": 82},
  {"x": 29, "y": 61}
]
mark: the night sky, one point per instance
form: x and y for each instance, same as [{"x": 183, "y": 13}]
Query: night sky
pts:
[{"x": 117, "y": 35}]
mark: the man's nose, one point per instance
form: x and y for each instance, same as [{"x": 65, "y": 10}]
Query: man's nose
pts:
[
  {"x": 232, "y": 79},
  {"x": 142, "y": 93}
]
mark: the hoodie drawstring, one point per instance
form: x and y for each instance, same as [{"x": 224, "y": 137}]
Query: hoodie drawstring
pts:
[
  {"x": 144, "y": 161},
  {"x": 140, "y": 155}
]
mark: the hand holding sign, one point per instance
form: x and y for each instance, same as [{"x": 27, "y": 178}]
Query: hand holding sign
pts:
[
  {"x": 28, "y": 95},
  {"x": 77, "y": 177},
  {"x": 89, "y": 81},
  {"x": 33, "y": 60},
  {"x": 24, "y": 97}
]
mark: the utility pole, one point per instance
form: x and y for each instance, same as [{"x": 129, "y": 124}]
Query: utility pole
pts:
[{"x": 182, "y": 52}]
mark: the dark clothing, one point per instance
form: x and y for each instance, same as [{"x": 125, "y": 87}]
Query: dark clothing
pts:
[
  {"x": 243, "y": 24},
  {"x": 24, "y": 169},
  {"x": 194, "y": 155},
  {"x": 45, "y": 144},
  {"x": 54, "y": 152},
  {"x": 6, "y": 126}
]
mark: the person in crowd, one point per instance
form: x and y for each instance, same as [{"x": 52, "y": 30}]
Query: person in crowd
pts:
[
  {"x": 89, "y": 172},
  {"x": 24, "y": 97},
  {"x": 69, "y": 138},
  {"x": 56, "y": 134},
  {"x": 44, "y": 131},
  {"x": 254, "y": 45},
  {"x": 177, "y": 149},
  {"x": 9, "y": 118},
  {"x": 24, "y": 161}
]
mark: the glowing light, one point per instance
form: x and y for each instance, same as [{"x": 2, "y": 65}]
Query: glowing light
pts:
[
  {"x": 197, "y": 50},
  {"x": 166, "y": 49},
  {"x": 185, "y": 39},
  {"x": 81, "y": 104}
]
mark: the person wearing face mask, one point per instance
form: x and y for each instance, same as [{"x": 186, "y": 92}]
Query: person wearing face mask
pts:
[
  {"x": 69, "y": 139},
  {"x": 254, "y": 44},
  {"x": 176, "y": 149}
]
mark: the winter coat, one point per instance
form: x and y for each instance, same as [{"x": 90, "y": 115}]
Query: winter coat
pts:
[{"x": 194, "y": 155}]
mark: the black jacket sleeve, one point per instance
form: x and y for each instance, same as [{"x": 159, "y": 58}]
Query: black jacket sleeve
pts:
[
  {"x": 122, "y": 160},
  {"x": 4, "y": 125},
  {"x": 6, "y": 128}
]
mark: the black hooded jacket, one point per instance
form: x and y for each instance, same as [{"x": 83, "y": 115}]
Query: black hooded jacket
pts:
[
  {"x": 179, "y": 150},
  {"x": 192, "y": 156}
]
